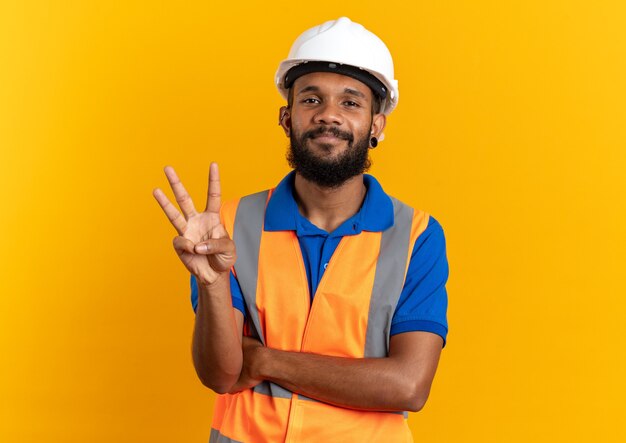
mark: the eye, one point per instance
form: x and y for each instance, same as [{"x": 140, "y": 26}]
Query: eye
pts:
[
  {"x": 310, "y": 100},
  {"x": 351, "y": 104}
]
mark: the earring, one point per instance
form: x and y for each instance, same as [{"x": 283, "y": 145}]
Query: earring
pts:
[{"x": 373, "y": 142}]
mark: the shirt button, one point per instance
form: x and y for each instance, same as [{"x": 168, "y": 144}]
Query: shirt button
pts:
[{"x": 325, "y": 266}]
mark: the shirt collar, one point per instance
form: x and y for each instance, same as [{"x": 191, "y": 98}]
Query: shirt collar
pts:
[{"x": 376, "y": 213}]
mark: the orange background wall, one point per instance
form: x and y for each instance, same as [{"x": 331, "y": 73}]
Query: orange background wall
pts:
[{"x": 511, "y": 130}]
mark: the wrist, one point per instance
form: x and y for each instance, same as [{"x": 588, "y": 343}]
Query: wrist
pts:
[
  {"x": 219, "y": 284},
  {"x": 216, "y": 291}
]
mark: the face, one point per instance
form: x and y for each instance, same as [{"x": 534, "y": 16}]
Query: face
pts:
[{"x": 330, "y": 123}]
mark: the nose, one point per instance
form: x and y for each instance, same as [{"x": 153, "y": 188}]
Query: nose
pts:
[{"x": 328, "y": 114}]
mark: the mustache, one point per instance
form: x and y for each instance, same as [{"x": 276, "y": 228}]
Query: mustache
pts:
[{"x": 331, "y": 130}]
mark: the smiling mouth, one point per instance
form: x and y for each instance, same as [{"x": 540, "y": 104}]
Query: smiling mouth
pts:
[{"x": 327, "y": 138}]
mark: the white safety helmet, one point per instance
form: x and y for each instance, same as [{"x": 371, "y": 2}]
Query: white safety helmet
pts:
[{"x": 342, "y": 46}]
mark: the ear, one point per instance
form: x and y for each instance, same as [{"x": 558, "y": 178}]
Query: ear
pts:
[
  {"x": 378, "y": 124},
  {"x": 284, "y": 119}
]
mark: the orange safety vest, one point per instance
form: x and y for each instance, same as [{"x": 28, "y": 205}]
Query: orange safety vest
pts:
[{"x": 350, "y": 316}]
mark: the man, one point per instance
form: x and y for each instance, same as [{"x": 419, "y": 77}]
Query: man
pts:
[{"x": 323, "y": 318}]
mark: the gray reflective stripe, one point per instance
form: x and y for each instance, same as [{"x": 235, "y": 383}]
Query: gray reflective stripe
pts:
[
  {"x": 247, "y": 237},
  {"x": 389, "y": 280},
  {"x": 216, "y": 437},
  {"x": 272, "y": 389}
]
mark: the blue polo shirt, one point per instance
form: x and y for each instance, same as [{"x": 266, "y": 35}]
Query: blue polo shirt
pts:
[{"x": 423, "y": 302}]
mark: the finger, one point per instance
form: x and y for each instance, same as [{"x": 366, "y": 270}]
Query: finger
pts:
[
  {"x": 215, "y": 246},
  {"x": 182, "y": 244},
  {"x": 214, "y": 195},
  {"x": 182, "y": 196},
  {"x": 175, "y": 218}
]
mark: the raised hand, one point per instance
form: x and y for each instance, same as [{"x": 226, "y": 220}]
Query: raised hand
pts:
[{"x": 202, "y": 244}]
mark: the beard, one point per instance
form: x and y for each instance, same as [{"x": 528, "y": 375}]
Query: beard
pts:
[{"x": 329, "y": 173}]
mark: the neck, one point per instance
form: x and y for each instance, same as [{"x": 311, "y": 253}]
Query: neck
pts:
[{"x": 327, "y": 208}]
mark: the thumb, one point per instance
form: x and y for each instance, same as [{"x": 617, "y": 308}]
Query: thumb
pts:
[{"x": 215, "y": 246}]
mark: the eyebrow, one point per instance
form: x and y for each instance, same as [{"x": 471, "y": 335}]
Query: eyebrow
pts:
[
  {"x": 313, "y": 88},
  {"x": 354, "y": 92},
  {"x": 310, "y": 88}
]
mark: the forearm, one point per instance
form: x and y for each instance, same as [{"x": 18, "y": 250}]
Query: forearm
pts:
[
  {"x": 216, "y": 345},
  {"x": 382, "y": 384}
]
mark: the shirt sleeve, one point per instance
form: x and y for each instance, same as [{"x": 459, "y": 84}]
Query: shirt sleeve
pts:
[
  {"x": 423, "y": 302},
  {"x": 235, "y": 292}
]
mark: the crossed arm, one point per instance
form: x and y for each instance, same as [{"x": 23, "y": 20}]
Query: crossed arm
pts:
[{"x": 399, "y": 382}]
